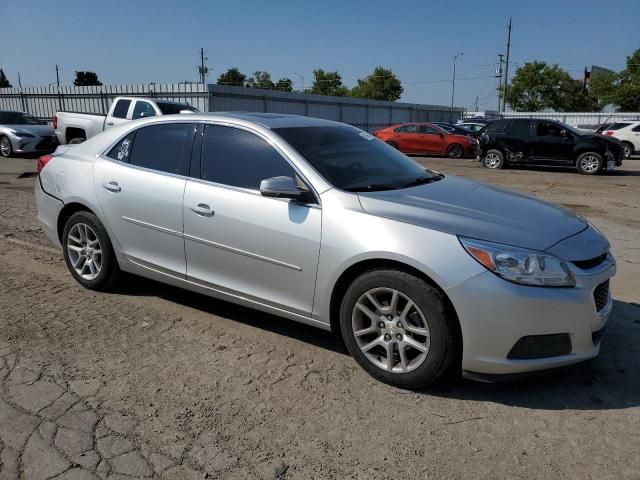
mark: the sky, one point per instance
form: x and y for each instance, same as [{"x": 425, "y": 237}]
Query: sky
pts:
[{"x": 159, "y": 41}]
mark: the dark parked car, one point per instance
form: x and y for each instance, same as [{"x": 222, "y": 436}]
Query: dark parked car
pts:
[{"x": 546, "y": 142}]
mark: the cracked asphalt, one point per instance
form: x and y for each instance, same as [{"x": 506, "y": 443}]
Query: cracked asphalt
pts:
[{"x": 155, "y": 382}]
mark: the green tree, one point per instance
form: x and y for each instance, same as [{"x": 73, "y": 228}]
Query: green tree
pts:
[
  {"x": 233, "y": 77},
  {"x": 284, "y": 85},
  {"x": 602, "y": 87},
  {"x": 328, "y": 83},
  {"x": 261, "y": 79},
  {"x": 86, "y": 79},
  {"x": 4, "y": 81},
  {"x": 382, "y": 84},
  {"x": 626, "y": 94},
  {"x": 537, "y": 86}
]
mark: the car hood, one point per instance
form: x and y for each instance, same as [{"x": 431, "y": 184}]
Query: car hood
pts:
[
  {"x": 38, "y": 130},
  {"x": 477, "y": 210}
]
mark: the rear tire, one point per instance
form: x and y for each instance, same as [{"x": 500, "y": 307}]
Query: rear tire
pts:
[
  {"x": 628, "y": 149},
  {"x": 411, "y": 326},
  {"x": 493, "y": 159},
  {"x": 590, "y": 163},
  {"x": 88, "y": 252},
  {"x": 6, "y": 150},
  {"x": 455, "y": 150}
]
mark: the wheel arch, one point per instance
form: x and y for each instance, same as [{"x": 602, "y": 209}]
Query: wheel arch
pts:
[
  {"x": 66, "y": 212},
  {"x": 354, "y": 271},
  {"x": 74, "y": 132}
]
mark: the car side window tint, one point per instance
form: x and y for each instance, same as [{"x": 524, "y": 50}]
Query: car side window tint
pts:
[
  {"x": 239, "y": 158},
  {"x": 548, "y": 129},
  {"x": 121, "y": 109},
  {"x": 636, "y": 128},
  {"x": 428, "y": 130},
  {"x": 122, "y": 150},
  {"x": 142, "y": 109},
  {"x": 520, "y": 128},
  {"x": 162, "y": 147},
  {"x": 495, "y": 127}
]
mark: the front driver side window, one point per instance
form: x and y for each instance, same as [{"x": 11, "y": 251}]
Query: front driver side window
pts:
[
  {"x": 142, "y": 109},
  {"x": 236, "y": 157},
  {"x": 547, "y": 129}
]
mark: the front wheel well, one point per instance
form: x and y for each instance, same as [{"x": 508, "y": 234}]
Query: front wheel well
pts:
[
  {"x": 354, "y": 271},
  {"x": 66, "y": 212}
]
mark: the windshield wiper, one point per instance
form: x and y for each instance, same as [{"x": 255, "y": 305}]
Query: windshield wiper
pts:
[
  {"x": 421, "y": 181},
  {"x": 375, "y": 187}
]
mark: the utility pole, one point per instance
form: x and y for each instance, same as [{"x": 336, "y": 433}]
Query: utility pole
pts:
[
  {"x": 453, "y": 83},
  {"x": 202, "y": 69},
  {"x": 499, "y": 77},
  {"x": 57, "y": 76},
  {"x": 476, "y": 110},
  {"x": 19, "y": 81},
  {"x": 506, "y": 67}
]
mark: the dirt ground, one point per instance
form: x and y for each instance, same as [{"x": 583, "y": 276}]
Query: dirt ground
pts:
[{"x": 157, "y": 382}]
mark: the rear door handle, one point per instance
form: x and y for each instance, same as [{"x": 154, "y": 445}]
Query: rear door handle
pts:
[
  {"x": 112, "y": 186},
  {"x": 202, "y": 209},
  {"x": 109, "y": 123}
]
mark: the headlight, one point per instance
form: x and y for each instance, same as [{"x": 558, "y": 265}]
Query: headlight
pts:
[
  {"x": 519, "y": 265},
  {"x": 22, "y": 134}
]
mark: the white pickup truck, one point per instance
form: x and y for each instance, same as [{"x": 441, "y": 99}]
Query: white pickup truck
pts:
[{"x": 75, "y": 127}]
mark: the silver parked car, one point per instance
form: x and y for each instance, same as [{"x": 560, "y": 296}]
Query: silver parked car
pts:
[
  {"x": 421, "y": 273},
  {"x": 22, "y": 133}
]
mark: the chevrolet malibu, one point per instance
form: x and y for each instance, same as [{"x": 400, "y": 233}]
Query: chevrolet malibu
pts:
[{"x": 422, "y": 274}]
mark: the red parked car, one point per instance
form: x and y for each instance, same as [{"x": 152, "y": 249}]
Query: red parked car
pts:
[{"x": 427, "y": 138}]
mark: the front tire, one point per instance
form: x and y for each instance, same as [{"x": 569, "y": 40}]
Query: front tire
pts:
[
  {"x": 590, "y": 163},
  {"x": 493, "y": 159},
  {"x": 88, "y": 252},
  {"x": 6, "y": 150},
  {"x": 396, "y": 327},
  {"x": 454, "y": 150}
]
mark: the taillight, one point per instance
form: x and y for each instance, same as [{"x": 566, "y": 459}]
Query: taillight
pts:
[
  {"x": 608, "y": 133},
  {"x": 55, "y": 121},
  {"x": 42, "y": 161}
]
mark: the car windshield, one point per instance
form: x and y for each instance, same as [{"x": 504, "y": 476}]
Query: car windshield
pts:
[
  {"x": 353, "y": 160},
  {"x": 17, "y": 118},
  {"x": 168, "y": 108}
]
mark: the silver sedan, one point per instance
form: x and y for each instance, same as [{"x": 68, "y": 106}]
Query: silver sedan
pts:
[
  {"x": 422, "y": 274},
  {"x": 21, "y": 133}
]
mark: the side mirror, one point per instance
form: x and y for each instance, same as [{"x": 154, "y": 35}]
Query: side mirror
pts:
[{"x": 280, "y": 187}]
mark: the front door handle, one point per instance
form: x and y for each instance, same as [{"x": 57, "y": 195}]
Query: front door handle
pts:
[
  {"x": 112, "y": 186},
  {"x": 202, "y": 209}
]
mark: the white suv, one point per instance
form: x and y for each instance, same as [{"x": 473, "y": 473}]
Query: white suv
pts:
[{"x": 628, "y": 132}]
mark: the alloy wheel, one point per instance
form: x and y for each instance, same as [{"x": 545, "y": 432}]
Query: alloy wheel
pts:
[
  {"x": 85, "y": 251},
  {"x": 492, "y": 160},
  {"x": 5, "y": 147},
  {"x": 390, "y": 330},
  {"x": 627, "y": 150},
  {"x": 589, "y": 163},
  {"x": 455, "y": 151}
]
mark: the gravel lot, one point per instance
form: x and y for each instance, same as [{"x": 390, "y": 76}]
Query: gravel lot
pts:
[{"x": 157, "y": 382}]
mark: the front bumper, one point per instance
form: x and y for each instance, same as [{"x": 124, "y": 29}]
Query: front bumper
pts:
[
  {"x": 495, "y": 314},
  {"x": 37, "y": 144}
]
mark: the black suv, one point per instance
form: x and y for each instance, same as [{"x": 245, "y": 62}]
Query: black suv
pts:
[{"x": 546, "y": 142}]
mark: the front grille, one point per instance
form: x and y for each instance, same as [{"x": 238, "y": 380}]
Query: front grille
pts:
[
  {"x": 591, "y": 263},
  {"x": 601, "y": 295}
]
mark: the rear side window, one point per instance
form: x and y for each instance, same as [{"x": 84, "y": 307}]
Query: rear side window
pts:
[
  {"x": 618, "y": 126},
  {"x": 122, "y": 149},
  {"x": 162, "y": 147},
  {"x": 238, "y": 158},
  {"x": 636, "y": 128},
  {"x": 520, "y": 128},
  {"x": 168, "y": 108},
  {"x": 428, "y": 130},
  {"x": 121, "y": 109}
]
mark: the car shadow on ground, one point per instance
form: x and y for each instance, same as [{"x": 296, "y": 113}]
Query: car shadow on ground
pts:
[
  {"x": 610, "y": 381},
  {"x": 618, "y": 172}
]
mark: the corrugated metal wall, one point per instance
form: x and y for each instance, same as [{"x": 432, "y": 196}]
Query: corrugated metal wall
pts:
[
  {"x": 369, "y": 115},
  {"x": 585, "y": 120}
]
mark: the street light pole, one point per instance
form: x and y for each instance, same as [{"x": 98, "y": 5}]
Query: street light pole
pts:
[{"x": 453, "y": 82}]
